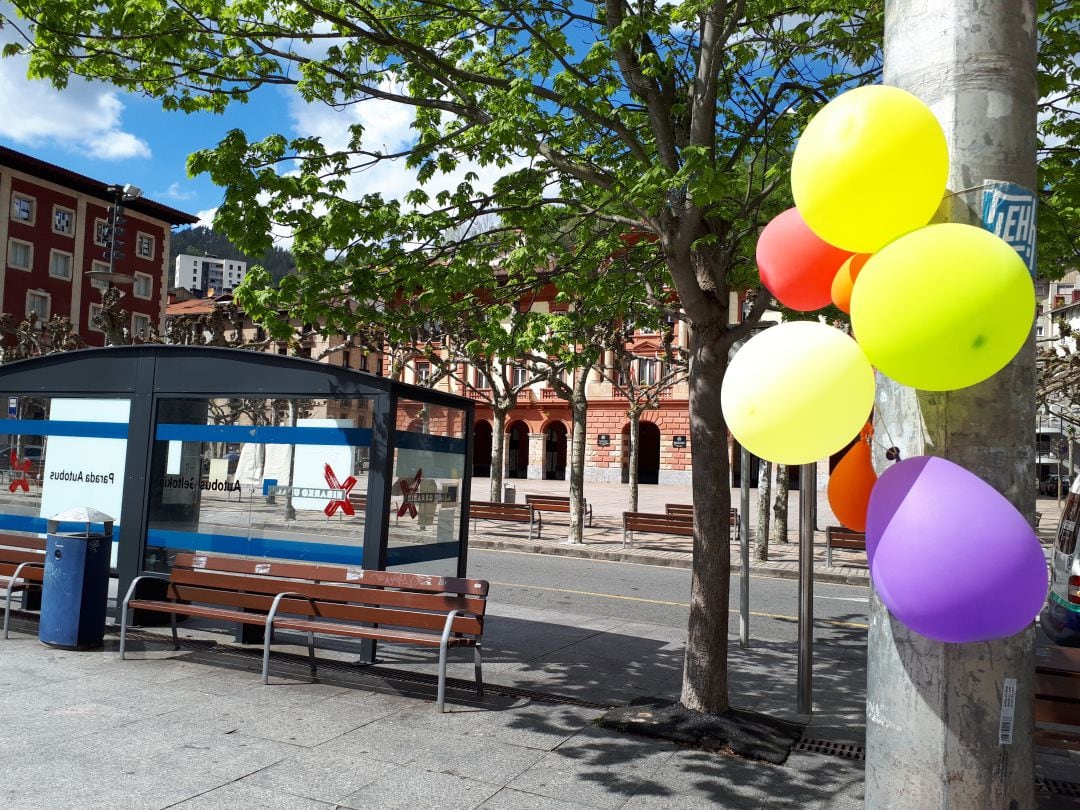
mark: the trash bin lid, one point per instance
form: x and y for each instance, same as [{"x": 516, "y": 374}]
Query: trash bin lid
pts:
[{"x": 81, "y": 514}]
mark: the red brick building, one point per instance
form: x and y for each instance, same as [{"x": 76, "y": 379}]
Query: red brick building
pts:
[{"x": 53, "y": 231}]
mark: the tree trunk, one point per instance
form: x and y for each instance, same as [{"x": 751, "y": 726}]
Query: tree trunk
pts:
[
  {"x": 290, "y": 511},
  {"x": 705, "y": 684},
  {"x": 933, "y": 709},
  {"x": 579, "y": 406},
  {"x": 780, "y": 507},
  {"x": 632, "y": 471},
  {"x": 764, "y": 503},
  {"x": 498, "y": 451}
]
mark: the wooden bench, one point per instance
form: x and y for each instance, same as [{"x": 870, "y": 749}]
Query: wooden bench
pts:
[
  {"x": 22, "y": 567},
  {"x": 513, "y": 512},
  {"x": 386, "y": 606},
  {"x": 1057, "y": 696},
  {"x": 688, "y": 509},
  {"x": 656, "y": 523},
  {"x": 839, "y": 537},
  {"x": 557, "y": 503}
]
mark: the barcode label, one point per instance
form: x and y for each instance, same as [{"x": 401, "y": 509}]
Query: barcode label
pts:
[
  {"x": 1008, "y": 710},
  {"x": 198, "y": 562},
  {"x": 262, "y": 568},
  {"x": 354, "y": 574}
]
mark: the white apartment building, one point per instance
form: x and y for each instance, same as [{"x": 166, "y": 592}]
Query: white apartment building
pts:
[{"x": 204, "y": 273}]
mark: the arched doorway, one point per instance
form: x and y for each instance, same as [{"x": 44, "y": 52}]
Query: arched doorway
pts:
[
  {"x": 648, "y": 460},
  {"x": 517, "y": 451},
  {"x": 648, "y": 453},
  {"x": 555, "y": 452},
  {"x": 482, "y": 450}
]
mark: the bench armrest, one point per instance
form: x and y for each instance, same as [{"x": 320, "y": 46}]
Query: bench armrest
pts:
[
  {"x": 277, "y": 603},
  {"x": 453, "y": 614},
  {"x": 136, "y": 581}
]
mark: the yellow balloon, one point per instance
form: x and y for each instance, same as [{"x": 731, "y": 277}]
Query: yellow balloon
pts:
[
  {"x": 870, "y": 166},
  {"x": 944, "y": 307},
  {"x": 797, "y": 392}
]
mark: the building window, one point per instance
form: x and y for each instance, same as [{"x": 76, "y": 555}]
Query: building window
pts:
[
  {"x": 63, "y": 220},
  {"x": 140, "y": 325},
  {"x": 60, "y": 264},
  {"x": 37, "y": 303},
  {"x": 101, "y": 232},
  {"x": 1038, "y": 331},
  {"x": 23, "y": 208},
  {"x": 521, "y": 376},
  {"x": 648, "y": 371},
  {"x": 144, "y": 286},
  {"x": 20, "y": 254},
  {"x": 91, "y": 320},
  {"x": 423, "y": 373},
  {"x": 144, "y": 246}
]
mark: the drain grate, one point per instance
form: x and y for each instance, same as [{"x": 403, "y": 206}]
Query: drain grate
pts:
[
  {"x": 831, "y": 748},
  {"x": 1056, "y": 787}
]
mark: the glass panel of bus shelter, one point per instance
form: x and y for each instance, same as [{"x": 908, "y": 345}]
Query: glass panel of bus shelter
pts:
[
  {"x": 425, "y": 510},
  {"x": 266, "y": 478},
  {"x": 60, "y": 453}
]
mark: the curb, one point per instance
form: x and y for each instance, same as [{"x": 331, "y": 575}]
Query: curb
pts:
[{"x": 837, "y": 576}]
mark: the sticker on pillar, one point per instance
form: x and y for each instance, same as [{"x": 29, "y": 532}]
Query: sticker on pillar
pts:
[{"x": 1009, "y": 213}]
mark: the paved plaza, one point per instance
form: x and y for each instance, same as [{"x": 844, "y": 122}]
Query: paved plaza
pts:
[{"x": 195, "y": 728}]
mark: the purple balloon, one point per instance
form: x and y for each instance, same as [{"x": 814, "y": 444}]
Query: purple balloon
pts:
[{"x": 950, "y": 557}]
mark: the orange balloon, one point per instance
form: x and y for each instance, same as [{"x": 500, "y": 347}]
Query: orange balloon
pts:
[
  {"x": 844, "y": 281},
  {"x": 851, "y": 482}
]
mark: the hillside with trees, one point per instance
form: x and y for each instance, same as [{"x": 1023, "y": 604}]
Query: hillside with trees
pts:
[{"x": 202, "y": 241}]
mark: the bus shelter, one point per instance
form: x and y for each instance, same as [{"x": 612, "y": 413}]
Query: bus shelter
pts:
[{"x": 237, "y": 452}]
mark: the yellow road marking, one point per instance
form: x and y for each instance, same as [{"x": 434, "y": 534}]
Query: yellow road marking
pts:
[
  {"x": 644, "y": 600},
  {"x": 639, "y": 564}
]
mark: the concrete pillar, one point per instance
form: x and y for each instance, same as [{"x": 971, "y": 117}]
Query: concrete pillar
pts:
[
  {"x": 934, "y": 710},
  {"x": 536, "y": 456}
]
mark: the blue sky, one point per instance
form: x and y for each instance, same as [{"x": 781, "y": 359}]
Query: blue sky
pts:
[{"x": 116, "y": 137}]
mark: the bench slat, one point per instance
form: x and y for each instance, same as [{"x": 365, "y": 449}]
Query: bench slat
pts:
[{"x": 352, "y": 631}]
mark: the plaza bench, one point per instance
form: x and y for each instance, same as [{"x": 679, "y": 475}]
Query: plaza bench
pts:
[
  {"x": 386, "y": 606},
  {"x": 512, "y": 512},
  {"x": 1057, "y": 696},
  {"x": 688, "y": 509},
  {"x": 839, "y": 537},
  {"x": 557, "y": 503},
  {"x": 22, "y": 567},
  {"x": 656, "y": 523}
]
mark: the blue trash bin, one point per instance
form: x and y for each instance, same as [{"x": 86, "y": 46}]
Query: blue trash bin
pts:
[{"x": 75, "y": 592}]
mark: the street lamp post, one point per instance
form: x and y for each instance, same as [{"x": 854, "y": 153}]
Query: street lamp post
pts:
[{"x": 116, "y": 220}]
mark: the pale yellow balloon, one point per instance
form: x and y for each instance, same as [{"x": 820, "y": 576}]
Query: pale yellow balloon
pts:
[
  {"x": 870, "y": 166},
  {"x": 797, "y": 392},
  {"x": 943, "y": 307}
]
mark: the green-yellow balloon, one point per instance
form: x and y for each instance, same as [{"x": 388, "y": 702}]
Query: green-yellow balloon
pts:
[
  {"x": 797, "y": 392},
  {"x": 943, "y": 307},
  {"x": 870, "y": 166}
]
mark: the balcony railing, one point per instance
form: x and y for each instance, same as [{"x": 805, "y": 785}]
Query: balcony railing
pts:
[
  {"x": 481, "y": 394},
  {"x": 547, "y": 394},
  {"x": 525, "y": 396}
]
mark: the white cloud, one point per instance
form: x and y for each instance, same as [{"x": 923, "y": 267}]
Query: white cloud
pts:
[
  {"x": 84, "y": 117},
  {"x": 387, "y": 128},
  {"x": 206, "y": 218},
  {"x": 175, "y": 193}
]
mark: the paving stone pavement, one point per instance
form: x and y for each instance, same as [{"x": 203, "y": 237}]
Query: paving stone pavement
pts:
[{"x": 197, "y": 729}]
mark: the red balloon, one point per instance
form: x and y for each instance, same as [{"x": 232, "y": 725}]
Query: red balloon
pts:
[
  {"x": 851, "y": 482},
  {"x": 795, "y": 265}
]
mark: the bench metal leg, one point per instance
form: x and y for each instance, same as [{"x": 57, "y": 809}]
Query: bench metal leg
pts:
[
  {"x": 266, "y": 657},
  {"x": 311, "y": 653},
  {"x": 479, "y": 675},
  {"x": 123, "y": 629},
  {"x": 175, "y": 637},
  {"x": 627, "y": 538},
  {"x": 440, "y": 699},
  {"x": 7, "y": 608},
  {"x": 828, "y": 554}
]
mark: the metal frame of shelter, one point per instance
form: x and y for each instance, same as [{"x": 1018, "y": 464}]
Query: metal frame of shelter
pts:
[{"x": 148, "y": 374}]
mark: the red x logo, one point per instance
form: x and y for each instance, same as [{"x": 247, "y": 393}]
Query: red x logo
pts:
[
  {"x": 407, "y": 488},
  {"x": 346, "y": 487},
  {"x": 24, "y": 468}
]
